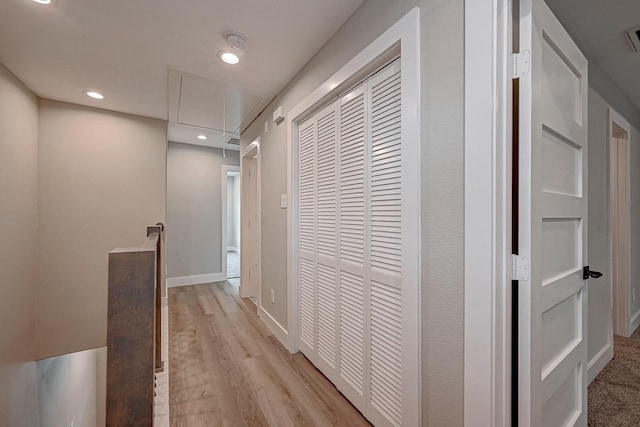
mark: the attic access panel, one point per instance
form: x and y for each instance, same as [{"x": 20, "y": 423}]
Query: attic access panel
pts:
[
  {"x": 633, "y": 35},
  {"x": 213, "y": 104}
]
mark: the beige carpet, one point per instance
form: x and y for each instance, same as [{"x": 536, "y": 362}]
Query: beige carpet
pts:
[{"x": 614, "y": 396}]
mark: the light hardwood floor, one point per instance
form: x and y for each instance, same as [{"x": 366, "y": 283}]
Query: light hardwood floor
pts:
[{"x": 227, "y": 369}]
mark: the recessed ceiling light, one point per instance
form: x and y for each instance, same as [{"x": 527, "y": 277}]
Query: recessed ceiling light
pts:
[
  {"x": 43, "y": 1},
  {"x": 229, "y": 58},
  {"x": 93, "y": 94},
  {"x": 202, "y": 137}
]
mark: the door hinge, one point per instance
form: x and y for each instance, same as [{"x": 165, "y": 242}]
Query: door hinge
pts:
[
  {"x": 521, "y": 64},
  {"x": 519, "y": 267}
]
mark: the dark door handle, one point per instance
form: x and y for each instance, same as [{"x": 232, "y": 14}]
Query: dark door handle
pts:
[{"x": 586, "y": 273}]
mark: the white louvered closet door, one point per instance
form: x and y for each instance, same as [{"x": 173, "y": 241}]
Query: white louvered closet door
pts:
[
  {"x": 353, "y": 246},
  {"x": 385, "y": 269},
  {"x": 307, "y": 217},
  {"x": 318, "y": 229},
  {"x": 350, "y": 216},
  {"x": 326, "y": 228}
]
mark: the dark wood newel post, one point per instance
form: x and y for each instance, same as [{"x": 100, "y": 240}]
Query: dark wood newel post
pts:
[{"x": 134, "y": 330}]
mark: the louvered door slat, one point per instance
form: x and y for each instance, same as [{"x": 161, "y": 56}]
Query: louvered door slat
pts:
[
  {"x": 385, "y": 207},
  {"x": 386, "y": 175},
  {"x": 326, "y": 314},
  {"x": 386, "y": 351},
  {"x": 307, "y": 303},
  {"x": 352, "y": 362},
  {"x": 326, "y": 187},
  {"x": 307, "y": 174},
  {"x": 352, "y": 184},
  {"x": 326, "y": 244},
  {"x": 307, "y": 236}
]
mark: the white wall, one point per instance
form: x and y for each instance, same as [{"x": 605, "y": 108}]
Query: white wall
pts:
[
  {"x": 194, "y": 215},
  {"x": 443, "y": 214},
  {"x": 611, "y": 93},
  {"x": 18, "y": 254},
  {"x": 71, "y": 389},
  {"x": 101, "y": 182},
  {"x": 442, "y": 184}
]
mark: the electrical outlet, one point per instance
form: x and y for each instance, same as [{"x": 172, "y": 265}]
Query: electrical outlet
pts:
[
  {"x": 266, "y": 126},
  {"x": 273, "y": 296}
]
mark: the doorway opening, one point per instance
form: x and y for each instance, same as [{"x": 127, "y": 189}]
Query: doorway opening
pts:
[
  {"x": 231, "y": 206},
  {"x": 250, "y": 223},
  {"x": 620, "y": 178},
  {"x": 233, "y": 225}
]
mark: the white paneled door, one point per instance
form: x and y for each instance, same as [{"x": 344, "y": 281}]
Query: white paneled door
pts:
[
  {"x": 353, "y": 317},
  {"x": 552, "y": 224}
]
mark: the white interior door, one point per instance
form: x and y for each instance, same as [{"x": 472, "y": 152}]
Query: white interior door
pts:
[
  {"x": 552, "y": 372},
  {"x": 250, "y": 230},
  {"x": 620, "y": 225}
]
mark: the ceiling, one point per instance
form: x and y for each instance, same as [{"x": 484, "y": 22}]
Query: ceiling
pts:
[
  {"x": 598, "y": 28},
  {"x": 127, "y": 49},
  {"x": 215, "y": 109},
  {"x": 138, "y": 52}
]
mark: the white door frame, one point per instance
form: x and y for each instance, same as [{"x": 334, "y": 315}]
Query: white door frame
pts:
[
  {"x": 249, "y": 152},
  {"x": 223, "y": 243},
  {"x": 487, "y": 212},
  {"x": 402, "y": 38},
  {"x": 623, "y": 323}
]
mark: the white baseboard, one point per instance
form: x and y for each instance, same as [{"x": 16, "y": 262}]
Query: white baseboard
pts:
[
  {"x": 635, "y": 322},
  {"x": 233, "y": 249},
  {"x": 275, "y": 327},
  {"x": 599, "y": 361},
  {"x": 195, "y": 280}
]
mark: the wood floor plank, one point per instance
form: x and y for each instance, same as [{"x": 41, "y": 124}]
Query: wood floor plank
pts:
[
  {"x": 221, "y": 359},
  {"x": 227, "y": 369},
  {"x": 214, "y": 404},
  {"x": 274, "y": 400},
  {"x": 204, "y": 300}
]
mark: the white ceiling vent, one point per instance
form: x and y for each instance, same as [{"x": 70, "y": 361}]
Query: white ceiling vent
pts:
[
  {"x": 633, "y": 34},
  {"x": 233, "y": 140}
]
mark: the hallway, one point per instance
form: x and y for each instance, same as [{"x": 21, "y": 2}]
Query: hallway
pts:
[
  {"x": 227, "y": 369},
  {"x": 614, "y": 396}
]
